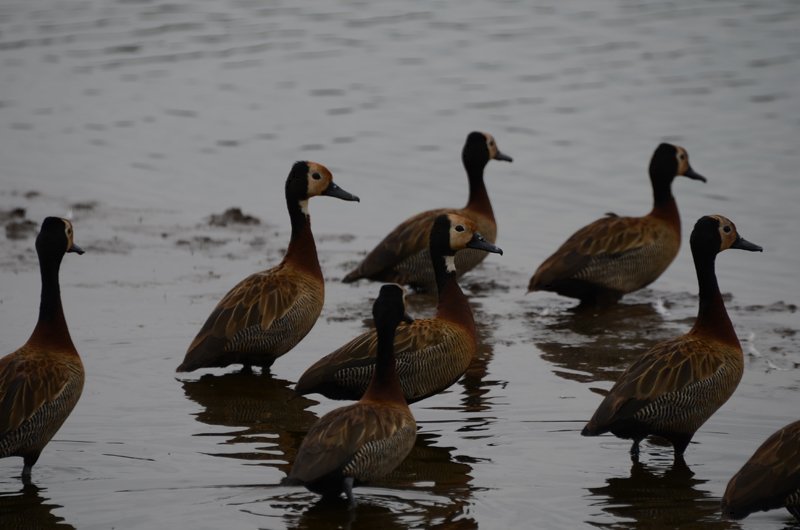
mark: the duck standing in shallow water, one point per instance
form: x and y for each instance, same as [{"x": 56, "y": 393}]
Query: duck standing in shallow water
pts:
[
  {"x": 366, "y": 440},
  {"x": 615, "y": 255},
  {"x": 269, "y": 312},
  {"x": 432, "y": 353},
  {"x": 41, "y": 382},
  {"x": 403, "y": 256},
  {"x": 770, "y": 479},
  {"x": 673, "y": 388}
]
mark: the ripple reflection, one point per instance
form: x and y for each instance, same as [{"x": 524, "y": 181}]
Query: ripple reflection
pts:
[
  {"x": 28, "y": 509},
  {"x": 673, "y": 497},
  {"x": 264, "y": 408}
]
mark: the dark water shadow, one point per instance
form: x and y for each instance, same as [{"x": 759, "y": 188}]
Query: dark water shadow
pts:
[
  {"x": 263, "y": 409},
  {"x": 336, "y": 513},
  {"x": 434, "y": 468},
  {"x": 590, "y": 346},
  {"x": 670, "y": 497},
  {"x": 28, "y": 509},
  {"x": 477, "y": 393}
]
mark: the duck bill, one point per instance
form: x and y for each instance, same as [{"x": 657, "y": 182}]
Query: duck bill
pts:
[
  {"x": 478, "y": 242},
  {"x": 76, "y": 249},
  {"x": 694, "y": 175},
  {"x": 333, "y": 190},
  {"x": 743, "y": 244},
  {"x": 502, "y": 156}
]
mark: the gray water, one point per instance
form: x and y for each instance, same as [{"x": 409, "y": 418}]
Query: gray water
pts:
[{"x": 141, "y": 119}]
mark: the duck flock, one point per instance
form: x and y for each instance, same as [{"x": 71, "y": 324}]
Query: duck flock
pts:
[{"x": 669, "y": 391}]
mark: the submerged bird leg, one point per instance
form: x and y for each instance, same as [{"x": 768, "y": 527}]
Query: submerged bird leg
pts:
[
  {"x": 680, "y": 446},
  {"x": 635, "y": 450},
  {"x": 26, "y": 472},
  {"x": 28, "y": 461},
  {"x": 347, "y": 485},
  {"x": 679, "y": 466}
]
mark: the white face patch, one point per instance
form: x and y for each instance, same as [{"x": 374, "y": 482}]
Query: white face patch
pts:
[
  {"x": 450, "y": 263},
  {"x": 304, "y": 206}
]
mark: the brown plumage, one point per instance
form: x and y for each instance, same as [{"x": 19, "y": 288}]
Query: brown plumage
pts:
[
  {"x": 269, "y": 312},
  {"x": 41, "y": 382},
  {"x": 617, "y": 255},
  {"x": 770, "y": 479},
  {"x": 673, "y": 388},
  {"x": 367, "y": 440},
  {"x": 431, "y": 353},
  {"x": 403, "y": 257}
]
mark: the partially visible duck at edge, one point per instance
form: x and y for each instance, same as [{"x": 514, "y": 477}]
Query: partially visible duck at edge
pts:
[
  {"x": 41, "y": 382},
  {"x": 770, "y": 479},
  {"x": 674, "y": 387},
  {"x": 269, "y": 312},
  {"x": 403, "y": 257},
  {"x": 432, "y": 353},
  {"x": 367, "y": 440},
  {"x": 615, "y": 255}
]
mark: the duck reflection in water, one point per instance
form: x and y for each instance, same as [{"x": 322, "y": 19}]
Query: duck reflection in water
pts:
[
  {"x": 658, "y": 499},
  {"x": 264, "y": 409},
  {"x": 591, "y": 347},
  {"x": 28, "y": 509},
  {"x": 430, "y": 489},
  {"x": 330, "y": 512},
  {"x": 477, "y": 394}
]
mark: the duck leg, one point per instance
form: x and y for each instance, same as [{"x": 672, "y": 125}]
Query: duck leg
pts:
[
  {"x": 635, "y": 450},
  {"x": 347, "y": 485}
]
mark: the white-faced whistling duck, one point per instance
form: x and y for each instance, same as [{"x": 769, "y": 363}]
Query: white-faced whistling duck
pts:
[
  {"x": 269, "y": 312},
  {"x": 402, "y": 256},
  {"x": 615, "y": 255},
  {"x": 41, "y": 382},
  {"x": 674, "y": 387},
  {"x": 366, "y": 440},
  {"x": 769, "y": 480},
  {"x": 432, "y": 353}
]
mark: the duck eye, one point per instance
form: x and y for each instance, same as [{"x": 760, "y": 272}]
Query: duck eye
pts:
[
  {"x": 459, "y": 228},
  {"x": 316, "y": 176},
  {"x": 727, "y": 229}
]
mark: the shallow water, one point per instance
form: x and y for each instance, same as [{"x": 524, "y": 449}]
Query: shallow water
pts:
[{"x": 141, "y": 119}]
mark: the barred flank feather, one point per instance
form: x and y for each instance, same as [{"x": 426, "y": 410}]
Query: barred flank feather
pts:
[{"x": 770, "y": 479}]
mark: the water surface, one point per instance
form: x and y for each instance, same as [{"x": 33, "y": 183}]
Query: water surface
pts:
[{"x": 141, "y": 119}]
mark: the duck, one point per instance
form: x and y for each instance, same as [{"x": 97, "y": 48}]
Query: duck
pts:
[
  {"x": 432, "y": 353},
  {"x": 368, "y": 439},
  {"x": 402, "y": 256},
  {"x": 674, "y": 387},
  {"x": 617, "y": 255},
  {"x": 41, "y": 382},
  {"x": 770, "y": 479},
  {"x": 269, "y": 312}
]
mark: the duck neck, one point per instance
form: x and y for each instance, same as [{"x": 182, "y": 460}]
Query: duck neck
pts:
[
  {"x": 385, "y": 384},
  {"x": 712, "y": 318},
  {"x": 664, "y": 205},
  {"x": 51, "y": 328},
  {"x": 453, "y": 304},
  {"x": 302, "y": 251},
  {"x": 478, "y": 196}
]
